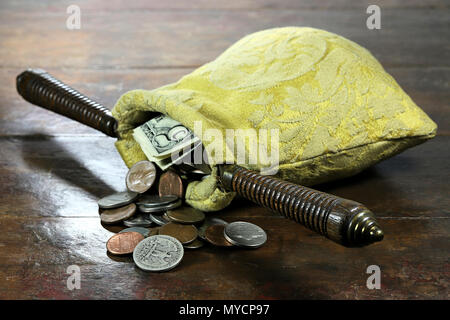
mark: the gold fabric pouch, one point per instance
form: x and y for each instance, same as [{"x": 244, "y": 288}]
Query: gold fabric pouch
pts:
[{"x": 336, "y": 109}]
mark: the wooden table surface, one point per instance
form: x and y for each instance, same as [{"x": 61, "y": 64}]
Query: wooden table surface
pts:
[{"x": 53, "y": 170}]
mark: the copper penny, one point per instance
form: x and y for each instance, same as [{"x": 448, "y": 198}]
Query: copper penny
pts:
[
  {"x": 112, "y": 216},
  {"x": 186, "y": 215},
  {"x": 170, "y": 183},
  {"x": 183, "y": 233},
  {"x": 214, "y": 235},
  {"x": 124, "y": 243},
  {"x": 141, "y": 176}
]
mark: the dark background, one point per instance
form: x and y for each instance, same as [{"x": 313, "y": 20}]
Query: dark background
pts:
[{"x": 53, "y": 170}]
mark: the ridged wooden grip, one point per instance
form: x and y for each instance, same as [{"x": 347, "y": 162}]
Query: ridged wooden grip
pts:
[
  {"x": 40, "y": 88},
  {"x": 344, "y": 221}
]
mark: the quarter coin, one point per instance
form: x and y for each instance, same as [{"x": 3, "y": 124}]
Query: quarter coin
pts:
[
  {"x": 209, "y": 221},
  {"x": 124, "y": 243},
  {"x": 184, "y": 233},
  {"x": 140, "y": 220},
  {"x": 116, "y": 215},
  {"x": 214, "y": 235},
  {"x": 186, "y": 215},
  {"x": 116, "y": 200},
  {"x": 170, "y": 183},
  {"x": 245, "y": 234},
  {"x": 144, "y": 231},
  {"x": 158, "y": 253},
  {"x": 141, "y": 176}
]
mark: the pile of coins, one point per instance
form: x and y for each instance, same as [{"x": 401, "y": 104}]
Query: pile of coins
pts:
[{"x": 160, "y": 227}]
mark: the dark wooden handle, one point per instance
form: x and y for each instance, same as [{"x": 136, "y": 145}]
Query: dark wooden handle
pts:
[
  {"x": 40, "y": 88},
  {"x": 344, "y": 221}
]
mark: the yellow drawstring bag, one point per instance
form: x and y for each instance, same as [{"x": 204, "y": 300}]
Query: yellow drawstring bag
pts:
[{"x": 336, "y": 109}]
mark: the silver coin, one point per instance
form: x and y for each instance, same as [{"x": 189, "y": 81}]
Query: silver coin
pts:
[
  {"x": 144, "y": 231},
  {"x": 140, "y": 220},
  {"x": 159, "y": 220},
  {"x": 152, "y": 200},
  {"x": 245, "y": 234},
  {"x": 117, "y": 200},
  {"x": 207, "y": 223},
  {"x": 158, "y": 253},
  {"x": 161, "y": 208},
  {"x": 141, "y": 176}
]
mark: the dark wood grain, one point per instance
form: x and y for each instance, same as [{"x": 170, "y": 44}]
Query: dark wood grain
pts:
[
  {"x": 96, "y": 6},
  {"x": 190, "y": 38},
  {"x": 295, "y": 263},
  {"x": 53, "y": 170}
]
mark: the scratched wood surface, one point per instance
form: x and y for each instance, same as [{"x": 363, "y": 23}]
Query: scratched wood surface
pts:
[{"x": 53, "y": 170}]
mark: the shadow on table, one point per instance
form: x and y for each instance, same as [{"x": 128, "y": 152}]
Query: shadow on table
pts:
[{"x": 46, "y": 153}]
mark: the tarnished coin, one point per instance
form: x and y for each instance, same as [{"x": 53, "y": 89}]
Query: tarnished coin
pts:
[
  {"x": 209, "y": 221},
  {"x": 158, "y": 253},
  {"x": 124, "y": 243},
  {"x": 196, "y": 244},
  {"x": 159, "y": 220},
  {"x": 139, "y": 220},
  {"x": 141, "y": 176},
  {"x": 153, "y": 231},
  {"x": 184, "y": 233},
  {"x": 144, "y": 231},
  {"x": 186, "y": 215},
  {"x": 116, "y": 215},
  {"x": 153, "y": 200},
  {"x": 161, "y": 208},
  {"x": 117, "y": 200},
  {"x": 170, "y": 183},
  {"x": 214, "y": 235},
  {"x": 245, "y": 234}
]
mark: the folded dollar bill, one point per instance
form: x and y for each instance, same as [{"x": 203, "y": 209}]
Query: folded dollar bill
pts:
[{"x": 162, "y": 138}]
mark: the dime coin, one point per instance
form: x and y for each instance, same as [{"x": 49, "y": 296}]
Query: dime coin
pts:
[
  {"x": 112, "y": 216},
  {"x": 170, "y": 183},
  {"x": 124, "y": 243},
  {"x": 196, "y": 244},
  {"x": 117, "y": 200},
  {"x": 159, "y": 220},
  {"x": 184, "y": 233},
  {"x": 209, "y": 221},
  {"x": 245, "y": 234},
  {"x": 158, "y": 253},
  {"x": 141, "y": 176},
  {"x": 161, "y": 208},
  {"x": 144, "y": 231},
  {"x": 214, "y": 235},
  {"x": 186, "y": 215},
  {"x": 140, "y": 220},
  {"x": 152, "y": 200}
]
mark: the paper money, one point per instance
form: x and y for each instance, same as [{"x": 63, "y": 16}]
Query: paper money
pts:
[{"x": 162, "y": 136}]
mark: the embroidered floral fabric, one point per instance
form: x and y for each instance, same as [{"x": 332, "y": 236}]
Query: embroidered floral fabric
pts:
[{"x": 337, "y": 110}]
